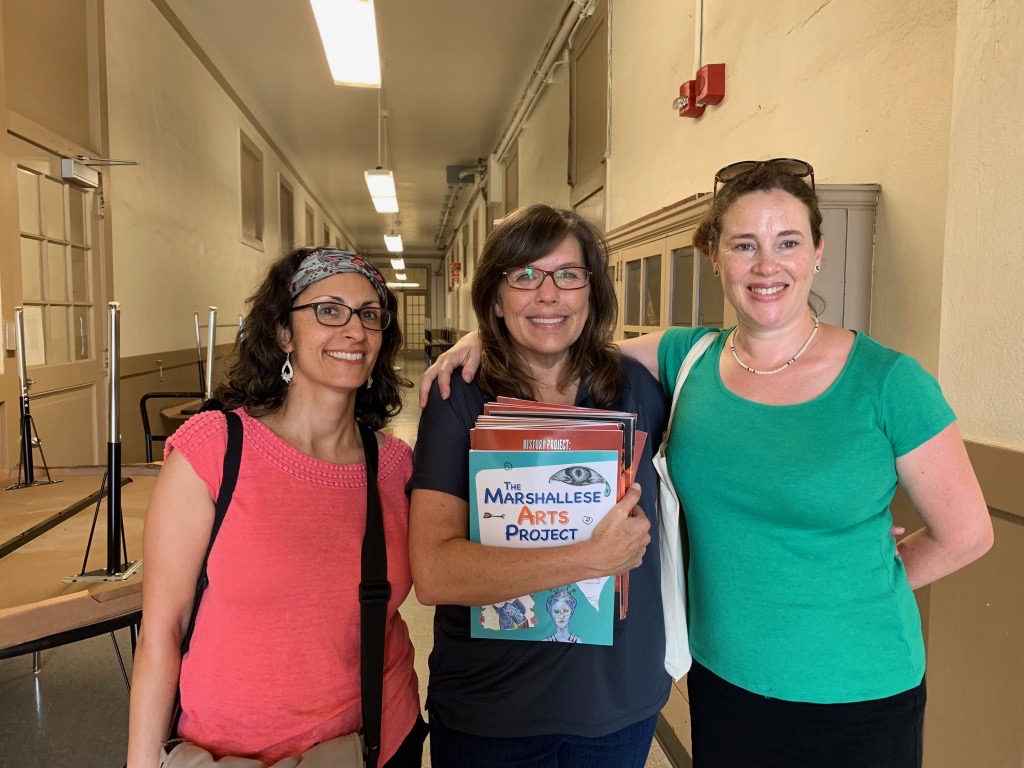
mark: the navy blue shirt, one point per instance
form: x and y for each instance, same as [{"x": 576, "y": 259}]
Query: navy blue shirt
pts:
[{"x": 510, "y": 688}]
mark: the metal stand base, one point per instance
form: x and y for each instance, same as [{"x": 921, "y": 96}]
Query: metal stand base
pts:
[
  {"x": 33, "y": 484},
  {"x": 92, "y": 577}
]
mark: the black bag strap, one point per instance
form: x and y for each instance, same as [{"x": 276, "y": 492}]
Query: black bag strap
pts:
[
  {"x": 374, "y": 593},
  {"x": 229, "y": 478}
]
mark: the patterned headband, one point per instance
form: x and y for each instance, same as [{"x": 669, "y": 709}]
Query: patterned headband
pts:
[{"x": 324, "y": 262}]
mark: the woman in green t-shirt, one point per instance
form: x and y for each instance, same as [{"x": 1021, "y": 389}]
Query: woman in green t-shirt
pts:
[{"x": 791, "y": 438}]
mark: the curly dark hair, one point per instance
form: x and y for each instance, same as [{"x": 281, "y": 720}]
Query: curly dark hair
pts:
[
  {"x": 254, "y": 368},
  {"x": 767, "y": 178},
  {"x": 522, "y": 237}
]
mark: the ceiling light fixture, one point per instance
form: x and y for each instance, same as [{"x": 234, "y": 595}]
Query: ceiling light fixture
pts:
[
  {"x": 403, "y": 285},
  {"x": 394, "y": 244},
  {"x": 398, "y": 264},
  {"x": 348, "y": 29},
  {"x": 380, "y": 181},
  {"x": 401, "y": 276}
]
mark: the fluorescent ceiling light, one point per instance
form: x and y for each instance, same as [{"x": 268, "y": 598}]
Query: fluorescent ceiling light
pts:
[
  {"x": 403, "y": 285},
  {"x": 380, "y": 182},
  {"x": 401, "y": 276},
  {"x": 348, "y": 29},
  {"x": 386, "y": 204},
  {"x": 394, "y": 244},
  {"x": 398, "y": 264}
]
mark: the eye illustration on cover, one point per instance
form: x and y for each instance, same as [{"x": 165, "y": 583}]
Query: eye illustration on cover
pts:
[{"x": 578, "y": 475}]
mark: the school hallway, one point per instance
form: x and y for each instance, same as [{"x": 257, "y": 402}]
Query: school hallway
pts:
[{"x": 74, "y": 713}]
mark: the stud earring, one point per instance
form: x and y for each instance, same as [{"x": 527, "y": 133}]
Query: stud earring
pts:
[
  {"x": 286, "y": 369},
  {"x": 817, "y": 267}
]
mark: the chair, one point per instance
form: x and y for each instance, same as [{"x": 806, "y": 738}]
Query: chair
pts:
[{"x": 147, "y": 431}]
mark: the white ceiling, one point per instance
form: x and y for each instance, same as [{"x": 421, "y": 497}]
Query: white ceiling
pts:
[{"x": 454, "y": 70}]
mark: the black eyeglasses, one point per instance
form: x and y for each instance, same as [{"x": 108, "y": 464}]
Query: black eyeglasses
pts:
[
  {"x": 788, "y": 165},
  {"x": 530, "y": 278},
  {"x": 335, "y": 315}
]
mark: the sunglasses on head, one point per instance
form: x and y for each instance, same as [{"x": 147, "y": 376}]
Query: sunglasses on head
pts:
[{"x": 788, "y": 165}]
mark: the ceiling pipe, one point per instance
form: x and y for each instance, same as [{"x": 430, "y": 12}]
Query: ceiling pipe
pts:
[{"x": 575, "y": 14}]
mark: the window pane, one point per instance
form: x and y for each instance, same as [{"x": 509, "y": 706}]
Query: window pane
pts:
[
  {"x": 681, "y": 312},
  {"x": 28, "y": 202},
  {"x": 252, "y": 192},
  {"x": 79, "y": 275},
  {"x": 633, "y": 292},
  {"x": 53, "y": 195},
  {"x": 76, "y": 212},
  {"x": 80, "y": 333},
  {"x": 58, "y": 345},
  {"x": 56, "y": 277},
  {"x": 31, "y": 269},
  {"x": 287, "y": 217},
  {"x": 652, "y": 299}
]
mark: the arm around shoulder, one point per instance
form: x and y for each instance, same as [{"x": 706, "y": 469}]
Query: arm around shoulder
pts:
[{"x": 644, "y": 349}]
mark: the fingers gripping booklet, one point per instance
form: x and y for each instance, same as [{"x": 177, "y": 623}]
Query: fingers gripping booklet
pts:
[{"x": 545, "y": 476}]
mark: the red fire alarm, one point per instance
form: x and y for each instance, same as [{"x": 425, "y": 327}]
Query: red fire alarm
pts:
[
  {"x": 710, "y": 84},
  {"x": 687, "y": 101}
]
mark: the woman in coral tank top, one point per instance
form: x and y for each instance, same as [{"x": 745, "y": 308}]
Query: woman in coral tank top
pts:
[{"x": 273, "y": 664}]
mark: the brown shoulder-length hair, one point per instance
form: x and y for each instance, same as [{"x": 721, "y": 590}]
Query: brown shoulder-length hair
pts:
[
  {"x": 521, "y": 238},
  {"x": 767, "y": 178},
  {"x": 254, "y": 369}
]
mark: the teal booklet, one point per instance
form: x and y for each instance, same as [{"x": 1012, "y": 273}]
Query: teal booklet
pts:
[{"x": 544, "y": 498}]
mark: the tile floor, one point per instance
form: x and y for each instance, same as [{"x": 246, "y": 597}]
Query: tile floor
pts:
[{"x": 74, "y": 714}]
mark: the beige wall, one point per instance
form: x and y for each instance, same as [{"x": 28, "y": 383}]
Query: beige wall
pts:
[
  {"x": 176, "y": 218},
  {"x": 544, "y": 147},
  {"x": 860, "y": 88},
  {"x": 982, "y": 339},
  {"x": 47, "y": 58}
]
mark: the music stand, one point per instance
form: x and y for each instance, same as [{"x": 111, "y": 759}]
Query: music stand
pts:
[
  {"x": 116, "y": 568},
  {"x": 29, "y": 433}
]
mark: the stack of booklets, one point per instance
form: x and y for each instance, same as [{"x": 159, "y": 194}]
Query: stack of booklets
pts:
[{"x": 545, "y": 475}]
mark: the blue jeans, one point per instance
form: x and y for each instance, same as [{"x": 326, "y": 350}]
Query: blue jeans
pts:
[{"x": 625, "y": 748}]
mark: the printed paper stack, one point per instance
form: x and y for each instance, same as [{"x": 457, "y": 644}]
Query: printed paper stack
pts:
[{"x": 544, "y": 476}]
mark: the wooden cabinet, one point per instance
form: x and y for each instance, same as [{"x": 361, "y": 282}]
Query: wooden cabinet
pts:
[{"x": 661, "y": 281}]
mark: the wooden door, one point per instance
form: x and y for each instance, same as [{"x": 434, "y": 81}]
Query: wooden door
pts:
[
  {"x": 61, "y": 290},
  {"x": 415, "y": 309}
]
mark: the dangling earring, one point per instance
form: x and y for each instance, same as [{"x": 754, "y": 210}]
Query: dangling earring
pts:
[
  {"x": 286, "y": 369},
  {"x": 717, "y": 273},
  {"x": 369, "y": 382},
  {"x": 817, "y": 267}
]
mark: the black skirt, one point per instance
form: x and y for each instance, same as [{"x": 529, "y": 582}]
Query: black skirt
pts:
[{"x": 734, "y": 728}]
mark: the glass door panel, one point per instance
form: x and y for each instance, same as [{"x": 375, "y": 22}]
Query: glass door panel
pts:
[
  {"x": 710, "y": 299},
  {"x": 682, "y": 287},
  {"x": 633, "y": 291},
  {"x": 31, "y": 270},
  {"x": 652, "y": 290}
]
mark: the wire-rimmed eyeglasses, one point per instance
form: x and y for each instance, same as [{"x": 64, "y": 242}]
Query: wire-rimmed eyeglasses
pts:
[
  {"x": 530, "y": 278},
  {"x": 336, "y": 314},
  {"x": 788, "y": 165}
]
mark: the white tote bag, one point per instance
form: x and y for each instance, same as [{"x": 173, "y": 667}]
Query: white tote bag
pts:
[{"x": 673, "y": 579}]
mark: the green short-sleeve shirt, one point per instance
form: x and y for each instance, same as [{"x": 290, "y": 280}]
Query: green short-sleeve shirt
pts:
[{"x": 795, "y": 589}]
